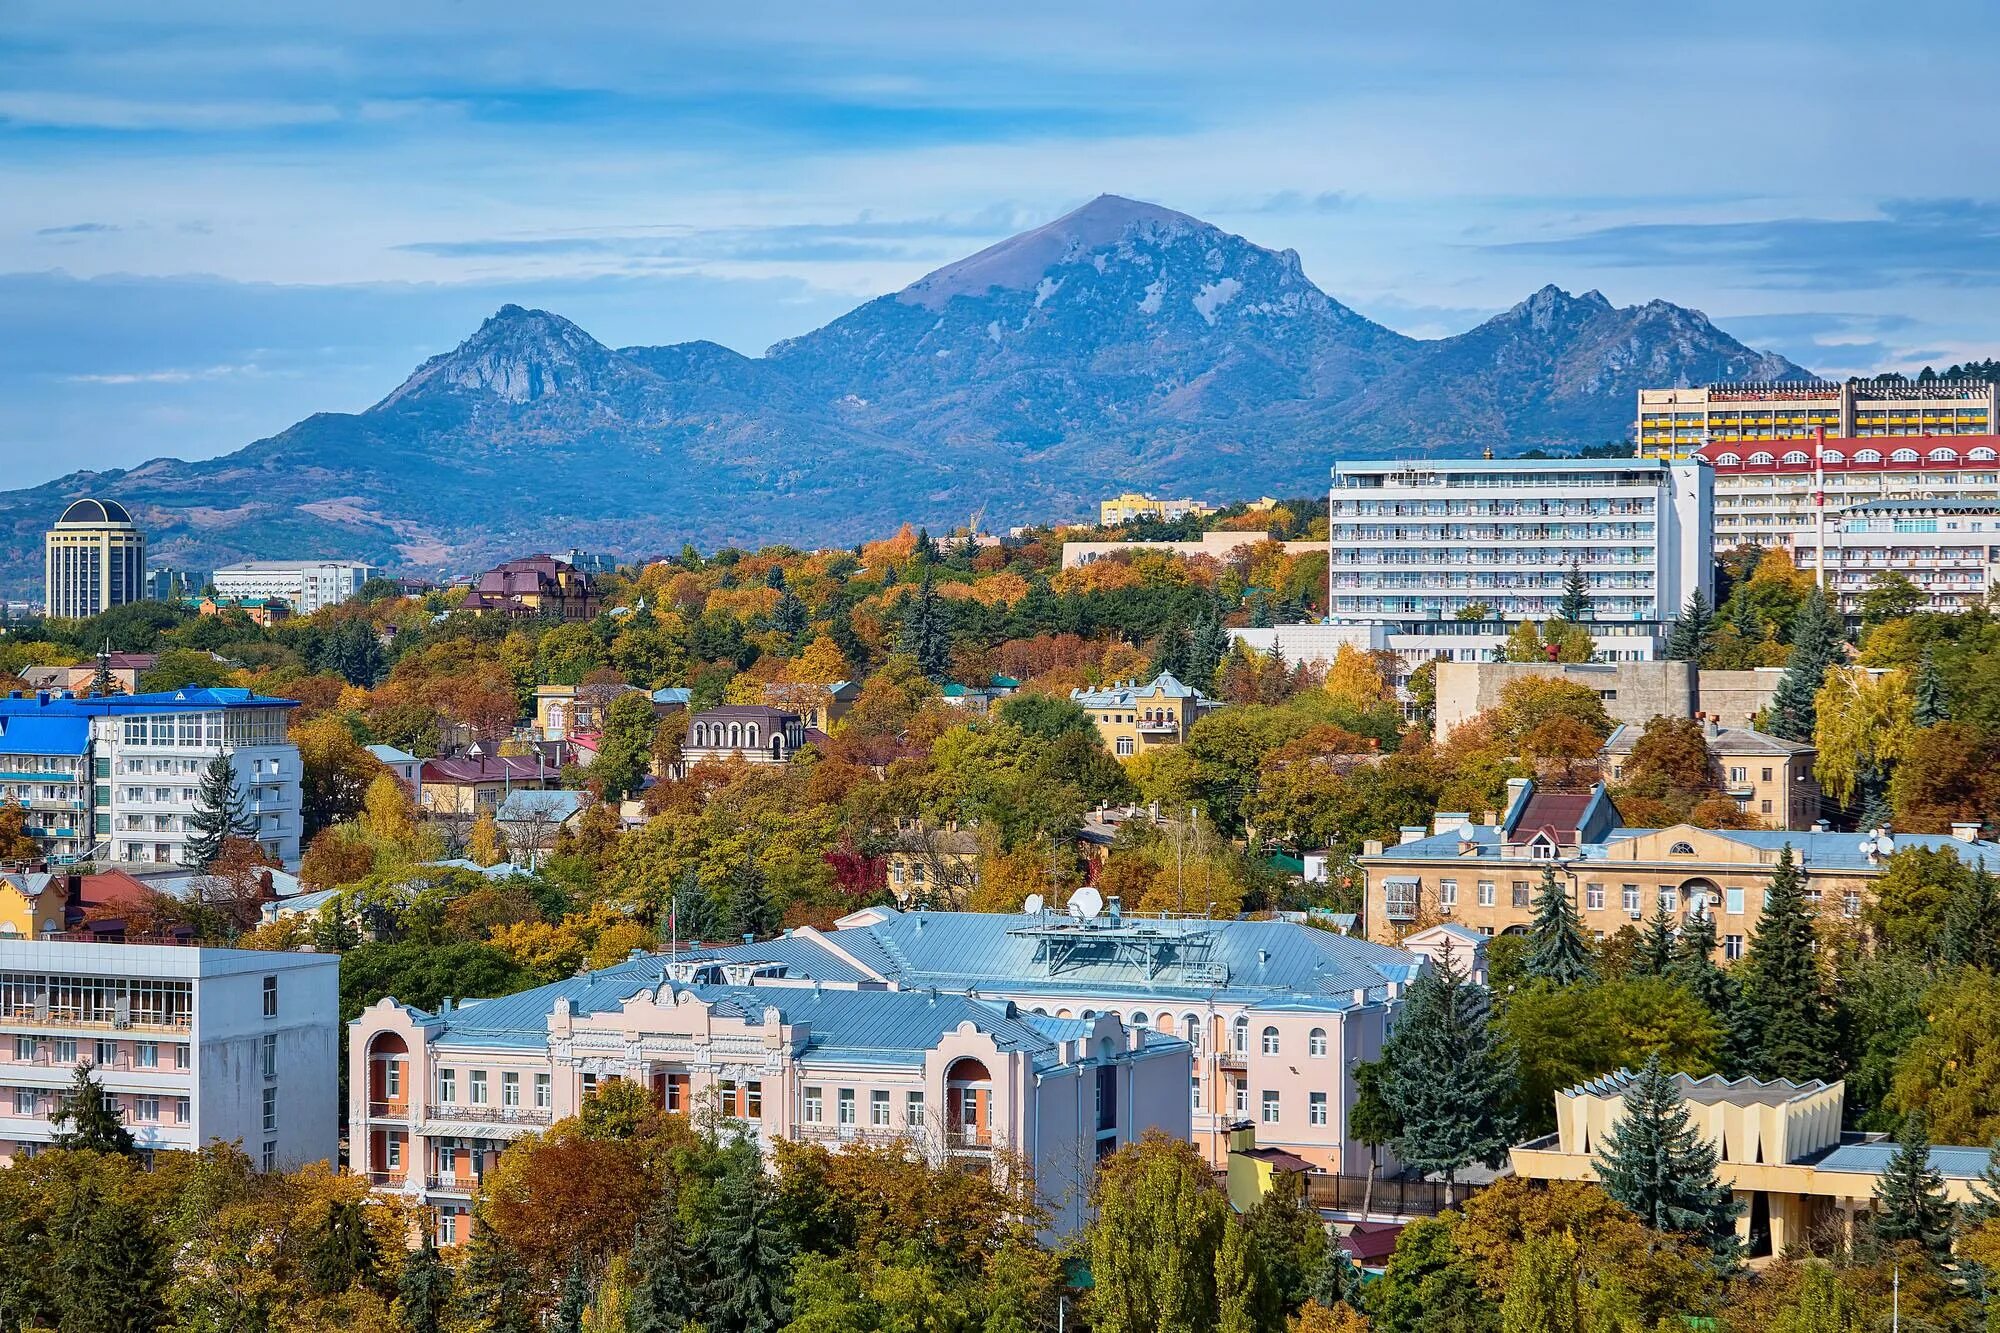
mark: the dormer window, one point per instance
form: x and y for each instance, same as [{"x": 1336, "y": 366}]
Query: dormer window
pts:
[{"x": 1681, "y": 849}]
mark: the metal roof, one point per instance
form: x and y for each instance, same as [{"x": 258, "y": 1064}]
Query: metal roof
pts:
[
  {"x": 33, "y": 733},
  {"x": 1811, "y": 851},
  {"x": 1873, "y": 1159}
]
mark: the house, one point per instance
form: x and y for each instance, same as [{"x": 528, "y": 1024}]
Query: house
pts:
[
  {"x": 530, "y": 820},
  {"x": 405, "y": 767},
  {"x": 932, "y": 865},
  {"x": 536, "y": 585},
  {"x": 1768, "y": 777},
  {"x": 124, "y": 669},
  {"x": 753, "y": 733},
  {"x": 672, "y": 697},
  {"x": 262, "y": 611},
  {"x": 565, "y": 711},
  {"x": 979, "y": 698},
  {"x": 1134, "y": 719},
  {"x": 476, "y": 784},
  {"x": 32, "y": 905},
  {"x": 819, "y": 706}
]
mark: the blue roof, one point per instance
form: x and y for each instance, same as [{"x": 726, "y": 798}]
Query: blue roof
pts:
[
  {"x": 389, "y": 754},
  {"x": 674, "y": 694},
  {"x": 556, "y": 804},
  {"x": 163, "y": 701},
  {"x": 1124, "y": 696},
  {"x": 39, "y": 734},
  {"x": 1873, "y": 1159}
]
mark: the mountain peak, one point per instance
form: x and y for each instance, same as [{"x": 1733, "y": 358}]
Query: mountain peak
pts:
[{"x": 520, "y": 355}]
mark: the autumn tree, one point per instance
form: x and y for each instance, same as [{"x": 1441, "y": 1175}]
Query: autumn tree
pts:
[
  {"x": 1155, "y": 1240},
  {"x": 335, "y": 772},
  {"x": 1950, "y": 1071},
  {"x": 1863, "y": 725},
  {"x": 1949, "y": 773}
]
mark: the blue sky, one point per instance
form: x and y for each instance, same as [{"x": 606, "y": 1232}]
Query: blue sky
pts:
[{"x": 218, "y": 218}]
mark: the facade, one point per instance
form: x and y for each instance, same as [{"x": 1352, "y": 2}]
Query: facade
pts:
[
  {"x": 1778, "y": 1145},
  {"x": 1132, "y": 505},
  {"x": 753, "y": 733},
  {"x": 566, "y": 711},
  {"x": 476, "y": 784},
  {"x": 93, "y": 559},
  {"x": 1768, "y": 777},
  {"x": 193, "y": 1045},
  {"x": 1947, "y": 547},
  {"x": 116, "y": 777},
  {"x": 1633, "y": 693},
  {"x": 303, "y": 585},
  {"x": 1411, "y": 644},
  {"x": 818, "y": 704},
  {"x": 536, "y": 585},
  {"x": 1134, "y": 719},
  {"x": 405, "y": 767},
  {"x": 263, "y": 612},
  {"x": 434, "y": 1098},
  {"x": 1433, "y": 539},
  {"x": 1224, "y": 545},
  {"x": 1482, "y": 872},
  {"x": 1676, "y": 423},
  {"x": 1766, "y": 495}
]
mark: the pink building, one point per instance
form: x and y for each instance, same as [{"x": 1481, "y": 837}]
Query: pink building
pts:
[{"x": 435, "y": 1098}]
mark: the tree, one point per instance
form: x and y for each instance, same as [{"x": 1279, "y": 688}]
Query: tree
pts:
[
  {"x": 1207, "y": 647},
  {"x": 1932, "y": 701},
  {"x": 1950, "y": 1070},
  {"x": 574, "y": 1301},
  {"x": 484, "y": 845},
  {"x": 1574, "y": 608},
  {"x": 1557, "y": 952},
  {"x": 1694, "y": 632},
  {"x": 1782, "y": 1026},
  {"x": 750, "y": 910},
  {"x": 1544, "y": 1295},
  {"x": 218, "y": 814},
  {"x": 926, "y": 633},
  {"x": 1910, "y": 1204},
  {"x": 85, "y": 1119},
  {"x": 15, "y": 843},
  {"x": 1557, "y": 641},
  {"x": 1155, "y": 1240},
  {"x": 1970, "y": 932},
  {"x": 1657, "y": 1164},
  {"x": 1890, "y": 595},
  {"x": 1693, "y": 966},
  {"x": 663, "y": 1296},
  {"x": 745, "y": 1255},
  {"x": 1445, "y": 1077},
  {"x": 1371, "y": 1122},
  {"x": 1046, "y": 717},
  {"x": 1246, "y": 1298},
  {"x": 110, "y": 1271},
  {"x": 1429, "y": 1287},
  {"x": 1950, "y": 772},
  {"x": 625, "y": 752},
  {"x": 1822, "y": 1305},
  {"x": 492, "y": 1297},
  {"x": 1862, "y": 725},
  {"x": 1816, "y": 638},
  {"x": 424, "y": 1287},
  {"x": 335, "y": 772},
  {"x": 1656, "y": 944}
]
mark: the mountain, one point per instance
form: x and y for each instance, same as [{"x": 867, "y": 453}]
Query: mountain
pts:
[{"x": 1122, "y": 345}]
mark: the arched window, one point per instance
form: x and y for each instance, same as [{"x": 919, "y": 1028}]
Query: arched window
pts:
[
  {"x": 1164, "y": 1023},
  {"x": 1982, "y": 455},
  {"x": 1729, "y": 460},
  {"x": 1239, "y": 1035},
  {"x": 1088, "y": 1013},
  {"x": 1796, "y": 457},
  {"x": 1681, "y": 849},
  {"x": 1829, "y": 456},
  {"x": 1943, "y": 455},
  {"x": 1142, "y": 1020},
  {"x": 1903, "y": 456},
  {"x": 1316, "y": 1043},
  {"x": 735, "y": 736},
  {"x": 750, "y": 736},
  {"x": 1270, "y": 1041},
  {"x": 1760, "y": 459},
  {"x": 1191, "y": 1030},
  {"x": 1868, "y": 456}
]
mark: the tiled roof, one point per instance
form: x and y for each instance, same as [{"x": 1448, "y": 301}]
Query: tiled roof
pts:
[{"x": 486, "y": 768}]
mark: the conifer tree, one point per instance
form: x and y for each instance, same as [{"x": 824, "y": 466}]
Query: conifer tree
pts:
[
  {"x": 1339, "y": 1280},
  {"x": 926, "y": 634},
  {"x": 1035, "y": 612},
  {"x": 1910, "y": 1204},
  {"x": 110, "y": 1268},
  {"x": 1172, "y": 654},
  {"x": 1782, "y": 1025},
  {"x": 574, "y": 1302},
  {"x": 343, "y": 1251},
  {"x": 1260, "y": 610},
  {"x": 1657, "y": 1164},
  {"x": 1209, "y": 645},
  {"x": 1574, "y": 608},
  {"x": 1656, "y": 944},
  {"x": 1816, "y": 635},
  {"x": 1556, "y": 949},
  {"x": 423, "y": 1288},
  {"x": 1932, "y": 703},
  {"x": 492, "y": 1297},
  {"x": 86, "y": 1121},
  {"x": 663, "y": 1295},
  {"x": 102, "y": 683},
  {"x": 745, "y": 1256},
  {"x": 790, "y": 617},
  {"x": 1971, "y": 931},
  {"x": 1693, "y": 966},
  {"x": 751, "y": 911},
  {"x": 1693, "y": 633},
  {"x": 1544, "y": 1294},
  {"x": 1446, "y": 1078},
  {"x": 218, "y": 814}
]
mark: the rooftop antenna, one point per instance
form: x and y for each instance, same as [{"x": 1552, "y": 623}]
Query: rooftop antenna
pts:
[
  {"x": 1086, "y": 903},
  {"x": 1034, "y": 904}
]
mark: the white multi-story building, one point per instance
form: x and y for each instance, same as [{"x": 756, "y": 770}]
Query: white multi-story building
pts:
[
  {"x": 1765, "y": 495},
  {"x": 1948, "y": 548},
  {"x": 1439, "y": 538},
  {"x": 1677, "y": 422},
  {"x": 304, "y": 585},
  {"x": 192, "y": 1045}
]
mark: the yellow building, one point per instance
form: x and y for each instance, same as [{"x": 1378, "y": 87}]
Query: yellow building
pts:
[
  {"x": 1134, "y": 719},
  {"x": 1675, "y": 422},
  {"x": 1132, "y": 505},
  {"x": 94, "y": 558},
  {"x": 1768, "y": 777},
  {"x": 32, "y": 906},
  {"x": 1779, "y": 1147}
]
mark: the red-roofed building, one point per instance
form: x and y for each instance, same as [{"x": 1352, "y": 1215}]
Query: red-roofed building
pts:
[{"x": 476, "y": 784}]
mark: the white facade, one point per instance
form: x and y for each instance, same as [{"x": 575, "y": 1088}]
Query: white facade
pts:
[
  {"x": 193, "y": 1045},
  {"x": 304, "y": 585},
  {"x": 1427, "y": 540},
  {"x": 1948, "y": 548},
  {"x": 1415, "y": 642},
  {"x": 1767, "y": 495},
  {"x": 155, "y": 765}
]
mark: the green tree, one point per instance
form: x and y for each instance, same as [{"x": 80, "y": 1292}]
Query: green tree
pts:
[
  {"x": 492, "y": 1294},
  {"x": 218, "y": 815},
  {"x": 1694, "y": 633},
  {"x": 1047, "y": 717},
  {"x": 1428, "y": 1286},
  {"x": 110, "y": 1268},
  {"x": 745, "y": 1255},
  {"x": 86, "y": 1120},
  {"x": 1208, "y": 645},
  {"x": 1372, "y": 1123},
  {"x": 1155, "y": 1240},
  {"x": 1246, "y": 1297},
  {"x": 1656, "y": 944},
  {"x": 1816, "y": 638},
  {"x": 343, "y": 1251},
  {"x": 1969, "y": 935},
  {"x": 1890, "y": 596},
  {"x": 1557, "y": 951},
  {"x": 626, "y": 749},
  {"x": 1544, "y": 1294},
  {"x": 1693, "y": 965},
  {"x": 1822, "y": 1305},
  {"x": 1933, "y": 702},
  {"x": 750, "y": 908},
  {"x": 1446, "y": 1079},
  {"x": 424, "y": 1287},
  {"x": 1288, "y": 1238},
  {"x": 574, "y": 1301},
  {"x": 1657, "y": 1164},
  {"x": 1574, "y": 608},
  {"x": 1782, "y": 1026},
  {"x": 663, "y": 1298},
  {"x": 1910, "y": 1203},
  {"x": 926, "y": 633}
]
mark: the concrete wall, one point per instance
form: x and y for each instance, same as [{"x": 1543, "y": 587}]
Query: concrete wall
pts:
[
  {"x": 229, "y": 1032},
  {"x": 1735, "y": 697},
  {"x": 1633, "y": 692}
]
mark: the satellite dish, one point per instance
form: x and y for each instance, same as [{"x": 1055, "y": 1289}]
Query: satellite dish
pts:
[
  {"x": 1467, "y": 833},
  {"x": 1086, "y": 903},
  {"x": 1885, "y": 844},
  {"x": 1033, "y": 905}
]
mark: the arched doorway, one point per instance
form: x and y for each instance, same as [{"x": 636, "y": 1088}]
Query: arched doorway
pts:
[{"x": 968, "y": 1092}]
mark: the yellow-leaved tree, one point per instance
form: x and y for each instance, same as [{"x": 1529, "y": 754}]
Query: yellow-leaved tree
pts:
[
  {"x": 1355, "y": 679},
  {"x": 1863, "y": 723}
]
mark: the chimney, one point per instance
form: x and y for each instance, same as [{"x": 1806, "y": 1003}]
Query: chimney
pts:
[
  {"x": 1371, "y": 847},
  {"x": 1965, "y": 830},
  {"x": 1709, "y": 727},
  {"x": 1411, "y": 833},
  {"x": 1117, "y": 907}
]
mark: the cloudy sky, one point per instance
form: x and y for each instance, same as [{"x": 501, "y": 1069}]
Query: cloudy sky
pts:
[{"x": 217, "y": 218}]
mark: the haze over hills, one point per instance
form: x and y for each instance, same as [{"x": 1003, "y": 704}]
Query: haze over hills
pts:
[{"x": 1123, "y": 345}]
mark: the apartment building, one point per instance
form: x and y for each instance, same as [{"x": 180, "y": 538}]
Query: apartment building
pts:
[
  {"x": 1770, "y": 495},
  {"x": 93, "y": 559},
  {"x": 1768, "y": 777},
  {"x": 1482, "y": 873},
  {"x": 192, "y": 1045},
  {"x": 1434, "y": 539},
  {"x": 1947, "y": 547},
  {"x": 753, "y": 733},
  {"x": 1677, "y": 423},
  {"x": 436, "y": 1097},
  {"x": 1134, "y": 719},
  {"x": 303, "y": 585},
  {"x": 1132, "y": 505},
  {"x": 144, "y": 755}
]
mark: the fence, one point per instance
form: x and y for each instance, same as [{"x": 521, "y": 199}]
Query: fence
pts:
[{"x": 1398, "y": 1197}]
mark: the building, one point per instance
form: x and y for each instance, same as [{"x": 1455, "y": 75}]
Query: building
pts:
[
  {"x": 1767, "y": 776},
  {"x": 1947, "y": 547},
  {"x": 123, "y": 668},
  {"x": 1633, "y": 693},
  {"x": 536, "y": 585},
  {"x": 754, "y": 733},
  {"x": 1224, "y": 545},
  {"x": 1134, "y": 719},
  {"x": 475, "y": 784},
  {"x": 405, "y": 767},
  {"x": 303, "y": 585},
  {"x": 435, "y": 1097},
  {"x": 530, "y": 820},
  {"x": 818, "y": 704},
  {"x": 144, "y": 755},
  {"x": 167, "y": 584},
  {"x": 263, "y": 612},
  {"x": 94, "y": 558},
  {"x": 1769, "y": 495},
  {"x": 1496, "y": 538},
  {"x": 1482, "y": 871},
  {"x": 1132, "y": 505},
  {"x": 1779, "y": 1147},
  {"x": 192, "y": 1045},
  {"x": 1409, "y": 645},
  {"x": 1677, "y": 423},
  {"x": 566, "y": 711}
]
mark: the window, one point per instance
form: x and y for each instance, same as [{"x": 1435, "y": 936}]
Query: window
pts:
[
  {"x": 1195, "y": 1091},
  {"x": 106, "y": 1053},
  {"x": 1732, "y": 946},
  {"x": 913, "y": 1109},
  {"x": 270, "y": 997},
  {"x": 270, "y": 1056},
  {"x": 1760, "y": 459},
  {"x": 1765, "y": 807},
  {"x": 753, "y": 1100},
  {"x": 146, "y": 1109},
  {"x": 844, "y": 1108},
  {"x": 1316, "y": 1043},
  {"x": 1903, "y": 456},
  {"x": 66, "y": 1051},
  {"x": 447, "y": 1086},
  {"x": 1593, "y": 897},
  {"x": 1868, "y": 456},
  {"x": 1124, "y": 747},
  {"x": 1316, "y": 1108},
  {"x": 1767, "y": 775},
  {"x": 1670, "y": 900},
  {"x": 479, "y": 1087},
  {"x": 1486, "y": 893},
  {"x": 878, "y": 1108},
  {"x": 1399, "y": 898},
  {"x": 814, "y": 1106},
  {"x": 1448, "y": 893},
  {"x": 392, "y": 1078},
  {"x": 510, "y": 1089},
  {"x": 24, "y": 1049},
  {"x": 183, "y": 1110},
  {"x": 1732, "y": 900},
  {"x": 270, "y": 1109},
  {"x": 1270, "y": 1041},
  {"x": 1630, "y": 899},
  {"x": 270, "y": 1154},
  {"x": 1728, "y": 460},
  {"x": 447, "y": 1232},
  {"x": 1687, "y": 849},
  {"x": 1241, "y": 1097},
  {"x": 542, "y": 1091},
  {"x": 24, "y": 1101},
  {"x": 1982, "y": 455},
  {"x": 1542, "y": 850},
  {"x": 1796, "y": 457},
  {"x": 1239, "y": 1036},
  {"x": 1850, "y": 904},
  {"x": 1191, "y": 1031},
  {"x": 1520, "y": 892},
  {"x": 1943, "y": 455},
  {"x": 1268, "y": 1110}
]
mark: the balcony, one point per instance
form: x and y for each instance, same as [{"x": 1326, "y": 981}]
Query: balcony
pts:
[
  {"x": 849, "y": 1134},
  {"x": 392, "y": 1110},
  {"x": 388, "y": 1180},
  {"x": 959, "y": 1138},
  {"x": 451, "y": 1183},
  {"x": 484, "y": 1115},
  {"x": 41, "y": 1018}
]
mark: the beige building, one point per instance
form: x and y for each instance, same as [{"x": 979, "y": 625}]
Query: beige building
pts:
[
  {"x": 1633, "y": 693},
  {"x": 94, "y": 558},
  {"x": 1224, "y": 545},
  {"x": 1779, "y": 1147},
  {"x": 1766, "y": 776},
  {"x": 1134, "y": 719},
  {"x": 1675, "y": 422},
  {"x": 1132, "y": 505},
  {"x": 1483, "y": 874}
]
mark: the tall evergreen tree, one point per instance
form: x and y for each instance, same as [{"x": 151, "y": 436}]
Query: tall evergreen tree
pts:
[
  {"x": 1782, "y": 1026},
  {"x": 343, "y": 1251},
  {"x": 1971, "y": 932},
  {"x": 1656, "y": 944},
  {"x": 1260, "y": 609},
  {"x": 1556, "y": 948},
  {"x": 926, "y": 632},
  {"x": 1816, "y": 636},
  {"x": 1693, "y": 966},
  {"x": 1035, "y": 612},
  {"x": 745, "y": 1256},
  {"x": 1574, "y": 608},
  {"x": 751, "y": 911},
  {"x": 110, "y": 1267},
  {"x": 492, "y": 1295},
  {"x": 1910, "y": 1204},
  {"x": 1446, "y": 1077},
  {"x": 789, "y": 617},
  {"x": 1693, "y": 633},
  {"x": 1209, "y": 646},
  {"x": 1658, "y": 1165},
  {"x": 102, "y": 683},
  {"x": 1338, "y": 1280},
  {"x": 1171, "y": 656},
  {"x": 574, "y": 1302},
  {"x": 424, "y": 1287},
  {"x": 663, "y": 1296},
  {"x": 1932, "y": 703},
  {"x": 86, "y": 1121},
  {"x": 218, "y": 814}
]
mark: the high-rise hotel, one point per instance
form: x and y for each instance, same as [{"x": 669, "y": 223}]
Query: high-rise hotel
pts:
[
  {"x": 1673, "y": 423},
  {"x": 94, "y": 558}
]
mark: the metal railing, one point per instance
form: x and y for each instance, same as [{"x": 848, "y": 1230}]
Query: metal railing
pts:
[
  {"x": 1398, "y": 1197},
  {"x": 490, "y": 1115}
]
